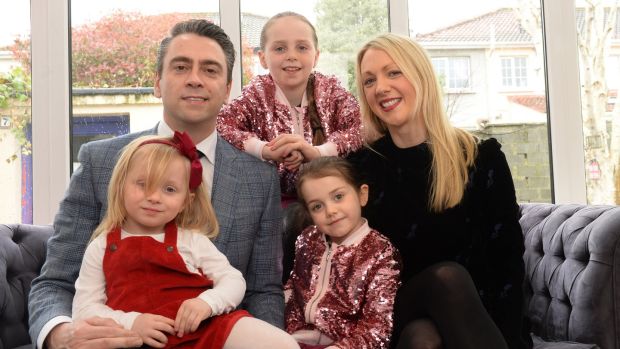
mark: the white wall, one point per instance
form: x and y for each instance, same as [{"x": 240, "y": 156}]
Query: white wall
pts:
[{"x": 10, "y": 178}]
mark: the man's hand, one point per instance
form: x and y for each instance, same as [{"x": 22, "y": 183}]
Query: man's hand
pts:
[
  {"x": 190, "y": 315},
  {"x": 96, "y": 333},
  {"x": 153, "y": 328}
]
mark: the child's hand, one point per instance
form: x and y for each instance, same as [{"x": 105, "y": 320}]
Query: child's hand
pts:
[
  {"x": 277, "y": 156},
  {"x": 153, "y": 328},
  {"x": 287, "y": 143},
  {"x": 293, "y": 161},
  {"x": 190, "y": 315}
]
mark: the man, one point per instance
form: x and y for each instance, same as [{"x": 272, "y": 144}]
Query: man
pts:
[{"x": 194, "y": 73}]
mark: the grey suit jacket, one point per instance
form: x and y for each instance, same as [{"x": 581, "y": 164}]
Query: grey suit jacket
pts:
[{"x": 246, "y": 198}]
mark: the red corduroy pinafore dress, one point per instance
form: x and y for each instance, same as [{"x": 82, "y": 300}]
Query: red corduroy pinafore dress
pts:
[{"x": 147, "y": 276}]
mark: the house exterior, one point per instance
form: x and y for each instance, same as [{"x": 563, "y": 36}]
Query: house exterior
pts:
[
  {"x": 490, "y": 71},
  {"x": 494, "y": 86}
]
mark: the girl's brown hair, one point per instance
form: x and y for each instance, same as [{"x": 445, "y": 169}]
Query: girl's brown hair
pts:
[
  {"x": 326, "y": 166},
  {"x": 197, "y": 214},
  {"x": 318, "y": 133}
]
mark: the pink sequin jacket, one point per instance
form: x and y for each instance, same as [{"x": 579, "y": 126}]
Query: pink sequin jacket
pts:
[
  {"x": 354, "y": 307},
  {"x": 257, "y": 113}
]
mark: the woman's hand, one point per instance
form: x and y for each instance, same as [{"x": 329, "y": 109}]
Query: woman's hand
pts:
[{"x": 191, "y": 313}]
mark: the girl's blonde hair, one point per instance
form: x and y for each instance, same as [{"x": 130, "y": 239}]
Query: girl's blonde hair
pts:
[
  {"x": 453, "y": 150},
  {"x": 197, "y": 213}
]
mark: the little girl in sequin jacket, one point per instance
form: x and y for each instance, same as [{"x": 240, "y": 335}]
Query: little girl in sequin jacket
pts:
[
  {"x": 341, "y": 291},
  {"x": 291, "y": 115}
]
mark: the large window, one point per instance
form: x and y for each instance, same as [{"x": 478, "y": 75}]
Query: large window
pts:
[
  {"x": 114, "y": 48},
  {"x": 483, "y": 31},
  {"x": 480, "y": 51},
  {"x": 15, "y": 113}
]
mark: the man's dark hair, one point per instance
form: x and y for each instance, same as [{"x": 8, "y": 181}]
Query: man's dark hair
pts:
[{"x": 204, "y": 28}]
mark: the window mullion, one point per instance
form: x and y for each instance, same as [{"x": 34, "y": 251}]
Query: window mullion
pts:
[
  {"x": 565, "y": 124},
  {"x": 50, "y": 106},
  {"x": 230, "y": 21}
]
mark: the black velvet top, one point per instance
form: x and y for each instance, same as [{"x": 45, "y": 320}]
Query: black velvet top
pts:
[{"x": 482, "y": 232}]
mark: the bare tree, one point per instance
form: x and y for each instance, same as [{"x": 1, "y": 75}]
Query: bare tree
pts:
[{"x": 594, "y": 33}]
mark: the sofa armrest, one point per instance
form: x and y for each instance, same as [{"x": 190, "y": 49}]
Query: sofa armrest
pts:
[
  {"x": 572, "y": 262},
  {"x": 22, "y": 253}
]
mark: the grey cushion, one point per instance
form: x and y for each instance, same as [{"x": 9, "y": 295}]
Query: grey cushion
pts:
[
  {"x": 22, "y": 253},
  {"x": 572, "y": 266},
  {"x": 539, "y": 343}
]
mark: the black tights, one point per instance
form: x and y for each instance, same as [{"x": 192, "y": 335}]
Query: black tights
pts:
[{"x": 445, "y": 296}]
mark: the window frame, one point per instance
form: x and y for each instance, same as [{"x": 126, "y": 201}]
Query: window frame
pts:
[{"x": 51, "y": 96}]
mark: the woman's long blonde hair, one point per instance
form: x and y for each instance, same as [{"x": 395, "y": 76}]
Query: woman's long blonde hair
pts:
[
  {"x": 197, "y": 214},
  {"x": 453, "y": 150}
]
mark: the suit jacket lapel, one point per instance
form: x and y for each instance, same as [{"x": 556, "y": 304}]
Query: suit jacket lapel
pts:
[
  {"x": 224, "y": 190},
  {"x": 153, "y": 131}
]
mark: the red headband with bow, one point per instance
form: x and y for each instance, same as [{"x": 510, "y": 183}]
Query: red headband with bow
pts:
[{"x": 184, "y": 144}]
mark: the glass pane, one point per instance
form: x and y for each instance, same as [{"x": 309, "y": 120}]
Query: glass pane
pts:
[
  {"x": 341, "y": 30},
  {"x": 598, "y": 61},
  {"x": 493, "y": 75},
  {"x": 114, "y": 47},
  {"x": 15, "y": 113}
]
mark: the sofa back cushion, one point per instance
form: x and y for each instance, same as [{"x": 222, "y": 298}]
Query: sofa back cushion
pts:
[
  {"x": 22, "y": 253},
  {"x": 572, "y": 262}
]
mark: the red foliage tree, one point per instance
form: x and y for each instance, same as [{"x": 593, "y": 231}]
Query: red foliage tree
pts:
[
  {"x": 120, "y": 50},
  {"x": 247, "y": 61}
]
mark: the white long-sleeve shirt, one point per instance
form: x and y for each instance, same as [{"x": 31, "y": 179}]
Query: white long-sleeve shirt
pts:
[{"x": 196, "y": 250}]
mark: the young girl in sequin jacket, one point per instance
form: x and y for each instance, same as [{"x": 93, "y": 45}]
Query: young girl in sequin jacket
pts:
[
  {"x": 291, "y": 115},
  {"x": 342, "y": 288}
]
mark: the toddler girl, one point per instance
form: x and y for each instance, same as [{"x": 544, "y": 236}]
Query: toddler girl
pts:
[
  {"x": 291, "y": 114},
  {"x": 151, "y": 265},
  {"x": 342, "y": 288}
]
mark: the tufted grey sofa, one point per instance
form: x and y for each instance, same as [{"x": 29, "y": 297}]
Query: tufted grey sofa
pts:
[
  {"x": 22, "y": 253},
  {"x": 572, "y": 287}
]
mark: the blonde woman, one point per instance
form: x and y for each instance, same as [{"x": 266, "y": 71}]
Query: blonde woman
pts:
[{"x": 446, "y": 200}]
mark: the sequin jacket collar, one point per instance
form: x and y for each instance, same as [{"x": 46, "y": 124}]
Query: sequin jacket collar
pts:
[{"x": 355, "y": 307}]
